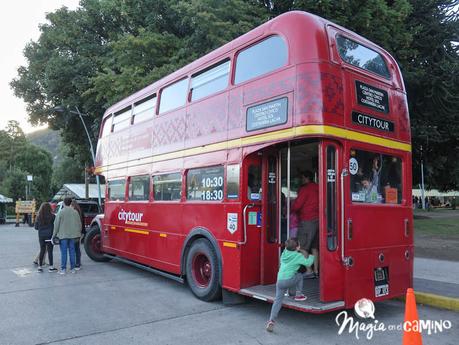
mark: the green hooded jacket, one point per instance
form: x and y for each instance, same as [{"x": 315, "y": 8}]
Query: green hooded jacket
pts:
[
  {"x": 67, "y": 223},
  {"x": 291, "y": 260}
]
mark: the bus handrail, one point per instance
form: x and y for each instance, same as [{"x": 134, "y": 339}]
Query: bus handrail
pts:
[
  {"x": 244, "y": 214},
  {"x": 344, "y": 173}
]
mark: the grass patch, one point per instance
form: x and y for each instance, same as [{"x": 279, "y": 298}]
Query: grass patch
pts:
[{"x": 442, "y": 227}]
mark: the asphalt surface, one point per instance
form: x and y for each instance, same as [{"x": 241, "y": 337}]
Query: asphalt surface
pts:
[{"x": 112, "y": 303}]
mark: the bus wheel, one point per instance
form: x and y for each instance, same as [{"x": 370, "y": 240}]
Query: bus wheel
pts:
[
  {"x": 92, "y": 244},
  {"x": 203, "y": 271}
]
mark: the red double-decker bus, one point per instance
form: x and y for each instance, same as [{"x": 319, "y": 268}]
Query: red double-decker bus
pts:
[{"x": 203, "y": 165}]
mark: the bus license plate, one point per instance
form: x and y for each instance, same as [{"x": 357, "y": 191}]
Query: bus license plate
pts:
[{"x": 381, "y": 290}]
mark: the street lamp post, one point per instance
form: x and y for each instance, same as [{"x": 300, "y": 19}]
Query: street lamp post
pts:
[
  {"x": 92, "y": 153},
  {"x": 93, "y": 156}
]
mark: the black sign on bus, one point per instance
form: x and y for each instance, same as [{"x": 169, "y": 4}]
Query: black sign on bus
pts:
[
  {"x": 372, "y": 97},
  {"x": 371, "y": 121},
  {"x": 268, "y": 114}
]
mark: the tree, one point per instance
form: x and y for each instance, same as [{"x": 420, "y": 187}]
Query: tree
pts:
[
  {"x": 14, "y": 184},
  {"x": 106, "y": 49},
  {"x": 423, "y": 36},
  {"x": 21, "y": 159}
]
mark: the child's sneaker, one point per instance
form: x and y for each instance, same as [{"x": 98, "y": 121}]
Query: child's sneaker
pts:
[
  {"x": 52, "y": 269},
  {"x": 77, "y": 268},
  {"x": 62, "y": 272},
  {"x": 270, "y": 326},
  {"x": 72, "y": 271},
  {"x": 299, "y": 298},
  {"x": 40, "y": 269}
]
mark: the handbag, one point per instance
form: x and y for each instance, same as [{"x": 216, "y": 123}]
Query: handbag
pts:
[{"x": 55, "y": 240}]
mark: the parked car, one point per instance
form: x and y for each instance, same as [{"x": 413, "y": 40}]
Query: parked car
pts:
[{"x": 90, "y": 209}]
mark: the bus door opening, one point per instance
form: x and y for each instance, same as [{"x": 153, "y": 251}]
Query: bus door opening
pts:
[{"x": 252, "y": 197}]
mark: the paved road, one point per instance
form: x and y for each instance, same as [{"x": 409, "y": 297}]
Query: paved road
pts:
[{"x": 111, "y": 303}]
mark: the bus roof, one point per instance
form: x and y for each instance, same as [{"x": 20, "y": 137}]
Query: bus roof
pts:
[{"x": 283, "y": 24}]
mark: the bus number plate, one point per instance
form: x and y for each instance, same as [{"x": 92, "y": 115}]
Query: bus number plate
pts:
[{"x": 381, "y": 290}]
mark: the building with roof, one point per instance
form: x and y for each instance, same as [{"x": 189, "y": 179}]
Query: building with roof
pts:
[{"x": 78, "y": 191}]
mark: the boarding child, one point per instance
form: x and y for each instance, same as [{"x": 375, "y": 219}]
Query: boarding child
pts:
[{"x": 288, "y": 277}]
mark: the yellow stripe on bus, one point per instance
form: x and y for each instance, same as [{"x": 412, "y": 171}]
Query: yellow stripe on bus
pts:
[
  {"x": 143, "y": 232},
  {"x": 276, "y": 135},
  {"x": 230, "y": 244},
  {"x": 162, "y": 235}
]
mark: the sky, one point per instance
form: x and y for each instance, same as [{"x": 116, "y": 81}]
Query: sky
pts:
[{"x": 19, "y": 21}]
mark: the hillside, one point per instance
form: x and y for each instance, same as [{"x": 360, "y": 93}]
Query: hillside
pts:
[{"x": 49, "y": 140}]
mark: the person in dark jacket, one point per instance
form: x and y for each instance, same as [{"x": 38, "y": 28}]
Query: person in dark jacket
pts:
[
  {"x": 77, "y": 207},
  {"x": 45, "y": 224}
]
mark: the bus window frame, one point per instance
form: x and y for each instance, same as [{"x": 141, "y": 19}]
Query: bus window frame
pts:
[
  {"x": 160, "y": 95},
  {"x": 108, "y": 190},
  {"x": 251, "y": 44},
  {"x": 152, "y": 190},
  {"x": 145, "y": 98},
  {"x": 107, "y": 118},
  {"x": 332, "y": 31},
  {"x": 225, "y": 184},
  {"x": 185, "y": 175},
  {"x": 206, "y": 69},
  {"x": 377, "y": 150},
  {"x": 129, "y": 179}
]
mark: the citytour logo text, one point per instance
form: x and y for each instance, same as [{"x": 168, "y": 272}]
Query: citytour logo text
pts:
[
  {"x": 365, "y": 309},
  {"x": 130, "y": 216}
]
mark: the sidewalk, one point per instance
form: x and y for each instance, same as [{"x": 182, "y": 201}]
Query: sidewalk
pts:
[{"x": 436, "y": 283}]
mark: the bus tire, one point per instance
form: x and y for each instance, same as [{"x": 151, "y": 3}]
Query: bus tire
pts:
[
  {"x": 92, "y": 245},
  {"x": 203, "y": 270}
]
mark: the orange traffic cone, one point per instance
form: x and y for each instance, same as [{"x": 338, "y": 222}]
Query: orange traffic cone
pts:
[{"x": 411, "y": 331}]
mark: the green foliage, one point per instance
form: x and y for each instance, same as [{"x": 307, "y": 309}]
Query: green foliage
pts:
[
  {"x": 107, "y": 49},
  {"x": 67, "y": 171},
  {"x": 19, "y": 159},
  {"x": 14, "y": 184},
  {"x": 48, "y": 140},
  {"x": 420, "y": 34}
]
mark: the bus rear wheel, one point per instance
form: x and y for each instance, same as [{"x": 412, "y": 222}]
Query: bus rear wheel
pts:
[
  {"x": 92, "y": 245},
  {"x": 203, "y": 270}
]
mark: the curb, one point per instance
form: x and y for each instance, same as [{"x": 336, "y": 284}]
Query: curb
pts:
[{"x": 437, "y": 301}]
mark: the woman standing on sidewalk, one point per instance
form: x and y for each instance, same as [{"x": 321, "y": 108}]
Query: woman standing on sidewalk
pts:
[{"x": 44, "y": 224}]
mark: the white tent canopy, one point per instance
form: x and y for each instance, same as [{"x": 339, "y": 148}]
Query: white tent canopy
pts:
[
  {"x": 4, "y": 199},
  {"x": 436, "y": 193}
]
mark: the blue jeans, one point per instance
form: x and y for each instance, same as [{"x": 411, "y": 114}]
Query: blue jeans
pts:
[{"x": 67, "y": 243}]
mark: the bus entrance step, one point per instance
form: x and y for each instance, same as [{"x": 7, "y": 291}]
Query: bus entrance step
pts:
[{"x": 310, "y": 289}]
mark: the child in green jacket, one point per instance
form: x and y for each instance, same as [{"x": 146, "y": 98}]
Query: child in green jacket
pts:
[{"x": 289, "y": 277}]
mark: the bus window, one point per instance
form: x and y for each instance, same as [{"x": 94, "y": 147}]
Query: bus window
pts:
[
  {"x": 107, "y": 126},
  {"x": 232, "y": 181},
  {"x": 205, "y": 184},
  {"x": 210, "y": 81},
  {"x": 375, "y": 178},
  {"x": 167, "y": 187},
  {"x": 331, "y": 199},
  {"x": 144, "y": 109},
  {"x": 139, "y": 188},
  {"x": 116, "y": 190},
  {"x": 361, "y": 56},
  {"x": 254, "y": 182},
  {"x": 261, "y": 58},
  {"x": 173, "y": 96},
  {"x": 122, "y": 119}
]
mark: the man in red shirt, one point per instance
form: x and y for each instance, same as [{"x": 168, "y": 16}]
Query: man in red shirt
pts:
[{"x": 306, "y": 206}]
